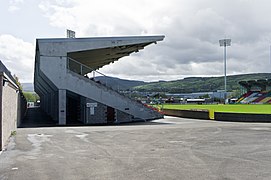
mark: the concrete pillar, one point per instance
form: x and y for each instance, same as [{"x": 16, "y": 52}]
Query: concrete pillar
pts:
[
  {"x": 46, "y": 109},
  {"x": 55, "y": 106},
  {"x": 83, "y": 109},
  {"x": 62, "y": 106},
  {"x": 52, "y": 110}
]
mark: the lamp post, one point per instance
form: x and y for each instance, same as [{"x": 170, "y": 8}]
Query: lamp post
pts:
[{"x": 225, "y": 43}]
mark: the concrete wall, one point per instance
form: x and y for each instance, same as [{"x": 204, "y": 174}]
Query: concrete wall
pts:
[
  {"x": 55, "y": 69},
  {"x": 123, "y": 117},
  {"x": 12, "y": 108},
  {"x": 100, "y": 113},
  {"x": 9, "y": 112},
  {"x": 22, "y": 106},
  {"x": 1, "y": 119},
  {"x": 219, "y": 116},
  {"x": 242, "y": 117},
  {"x": 187, "y": 113}
]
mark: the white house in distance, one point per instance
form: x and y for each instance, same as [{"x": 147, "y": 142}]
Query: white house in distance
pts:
[{"x": 68, "y": 95}]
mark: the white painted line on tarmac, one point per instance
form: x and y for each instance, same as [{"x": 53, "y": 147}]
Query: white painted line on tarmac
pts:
[{"x": 260, "y": 128}]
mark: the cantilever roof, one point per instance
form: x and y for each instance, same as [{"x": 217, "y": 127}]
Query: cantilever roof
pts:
[{"x": 95, "y": 52}]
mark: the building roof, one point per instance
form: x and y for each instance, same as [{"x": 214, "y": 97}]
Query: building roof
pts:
[
  {"x": 94, "y": 52},
  {"x": 259, "y": 83},
  {"x": 4, "y": 69}
]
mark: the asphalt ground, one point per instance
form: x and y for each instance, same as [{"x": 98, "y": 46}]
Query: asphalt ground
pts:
[{"x": 171, "y": 148}]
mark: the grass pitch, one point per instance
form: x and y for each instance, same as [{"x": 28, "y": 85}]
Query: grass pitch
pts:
[{"x": 233, "y": 108}]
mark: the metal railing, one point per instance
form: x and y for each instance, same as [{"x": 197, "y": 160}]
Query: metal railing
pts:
[{"x": 83, "y": 70}]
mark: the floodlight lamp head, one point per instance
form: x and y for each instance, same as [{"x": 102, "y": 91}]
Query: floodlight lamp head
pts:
[
  {"x": 225, "y": 42},
  {"x": 70, "y": 34}
]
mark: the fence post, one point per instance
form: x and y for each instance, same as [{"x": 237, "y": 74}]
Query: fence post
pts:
[{"x": 211, "y": 114}]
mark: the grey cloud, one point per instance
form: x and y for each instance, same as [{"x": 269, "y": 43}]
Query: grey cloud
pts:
[
  {"x": 18, "y": 56},
  {"x": 192, "y": 29}
]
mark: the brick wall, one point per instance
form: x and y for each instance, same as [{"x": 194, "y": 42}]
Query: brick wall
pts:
[
  {"x": 123, "y": 117},
  {"x": 99, "y": 116}
]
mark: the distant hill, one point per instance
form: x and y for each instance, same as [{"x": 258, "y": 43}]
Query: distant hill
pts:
[
  {"x": 115, "y": 83},
  {"x": 28, "y": 87},
  {"x": 200, "y": 84},
  {"x": 186, "y": 85},
  {"x": 119, "y": 84}
]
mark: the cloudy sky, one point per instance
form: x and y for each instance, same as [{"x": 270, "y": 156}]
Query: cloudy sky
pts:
[{"x": 192, "y": 29}]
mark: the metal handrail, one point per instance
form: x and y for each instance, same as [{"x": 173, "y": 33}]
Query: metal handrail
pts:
[
  {"x": 92, "y": 70},
  {"x": 81, "y": 67}
]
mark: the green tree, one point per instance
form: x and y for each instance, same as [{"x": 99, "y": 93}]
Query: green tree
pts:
[
  {"x": 18, "y": 82},
  {"x": 31, "y": 97},
  {"x": 206, "y": 96}
]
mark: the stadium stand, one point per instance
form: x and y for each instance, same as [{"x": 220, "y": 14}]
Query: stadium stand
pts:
[
  {"x": 257, "y": 92},
  {"x": 69, "y": 96},
  {"x": 244, "y": 96}
]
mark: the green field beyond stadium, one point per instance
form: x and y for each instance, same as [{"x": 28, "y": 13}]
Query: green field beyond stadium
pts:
[{"x": 233, "y": 108}]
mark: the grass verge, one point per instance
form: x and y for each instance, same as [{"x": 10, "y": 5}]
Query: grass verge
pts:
[{"x": 233, "y": 108}]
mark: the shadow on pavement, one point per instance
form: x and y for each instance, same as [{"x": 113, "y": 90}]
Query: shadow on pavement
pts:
[{"x": 36, "y": 118}]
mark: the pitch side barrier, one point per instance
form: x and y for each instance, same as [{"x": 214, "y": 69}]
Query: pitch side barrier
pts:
[{"x": 218, "y": 116}]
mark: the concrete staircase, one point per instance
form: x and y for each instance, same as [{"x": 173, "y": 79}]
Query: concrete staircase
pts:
[{"x": 88, "y": 88}]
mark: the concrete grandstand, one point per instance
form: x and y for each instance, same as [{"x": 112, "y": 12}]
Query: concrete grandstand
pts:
[
  {"x": 66, "y": 92},
  {"x": 256, "y": 92}
]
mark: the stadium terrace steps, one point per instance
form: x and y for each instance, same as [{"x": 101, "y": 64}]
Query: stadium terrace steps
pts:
[
  {"x": 248, "y": 94},
  {"x": 266, "y": 100},
  {"x": 250, "y": 98},
  {"x": 240, "y": 99},
  {"x": 258, "y": 92},
  {"x": 261, "y": 96},
  {"x": 255, "y": 97},
  {"x": 244, "y": 96}
]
